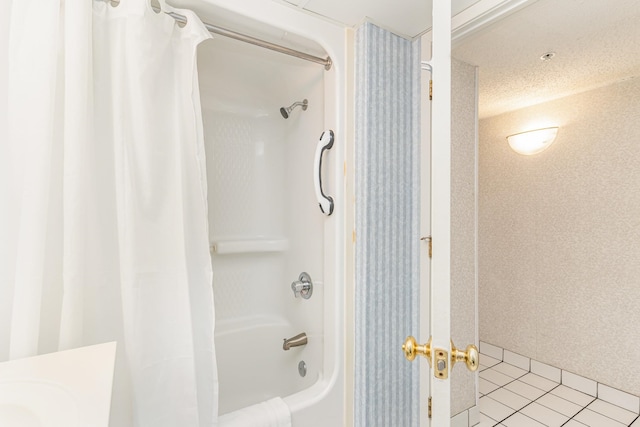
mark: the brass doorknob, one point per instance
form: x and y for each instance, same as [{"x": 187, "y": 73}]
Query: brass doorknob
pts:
[
  {"x": 470, "y": 356},
  {"x": 412, "y": 349}
]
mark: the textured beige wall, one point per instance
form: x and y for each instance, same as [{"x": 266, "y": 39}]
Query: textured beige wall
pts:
[
  {"x": 463, "y": 227},
  {"x": 559, "y": 236}
]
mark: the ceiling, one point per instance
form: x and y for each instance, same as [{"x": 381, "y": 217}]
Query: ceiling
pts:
[
  {"x": 595, "y": 42},
  {"x": 407, "y": 18}
]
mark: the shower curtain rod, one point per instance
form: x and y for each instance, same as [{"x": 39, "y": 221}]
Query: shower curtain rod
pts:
[{"x": 254, "y": 41}]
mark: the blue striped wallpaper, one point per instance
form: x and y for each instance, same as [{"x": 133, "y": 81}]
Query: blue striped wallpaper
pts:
[{"x": 387, "y": 226}]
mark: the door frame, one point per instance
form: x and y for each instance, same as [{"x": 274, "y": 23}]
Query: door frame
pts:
[{"x": 435, "y": 189}]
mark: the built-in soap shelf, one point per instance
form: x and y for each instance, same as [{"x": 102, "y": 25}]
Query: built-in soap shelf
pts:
[{"x": 244, "y": 246}]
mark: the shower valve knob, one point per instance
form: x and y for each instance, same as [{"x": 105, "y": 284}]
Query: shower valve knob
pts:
[{"x": 303, "y": 287}]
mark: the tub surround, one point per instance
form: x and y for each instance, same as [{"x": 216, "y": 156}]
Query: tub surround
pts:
[{"x": 266, "y": 227}]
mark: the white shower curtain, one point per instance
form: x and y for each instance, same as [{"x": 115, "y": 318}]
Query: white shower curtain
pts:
[{"x": 104, "y": 224}]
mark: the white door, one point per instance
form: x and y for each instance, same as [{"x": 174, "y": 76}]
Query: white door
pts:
[
  {"x": 440, "y": 301},
  {"x": 435, "y": 253}
]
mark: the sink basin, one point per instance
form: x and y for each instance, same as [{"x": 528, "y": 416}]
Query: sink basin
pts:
[
  {"x": 36, "y": 404},
  {"x": 65, "y": 389}
]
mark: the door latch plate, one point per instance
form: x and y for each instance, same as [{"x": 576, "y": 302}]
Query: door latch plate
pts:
[{"x": 441, "y": 364}]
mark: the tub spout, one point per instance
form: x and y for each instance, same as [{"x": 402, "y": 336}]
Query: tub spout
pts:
[{"x": 297, "y": 341}]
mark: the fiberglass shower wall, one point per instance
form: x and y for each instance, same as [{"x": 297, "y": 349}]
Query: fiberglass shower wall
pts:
[{"x": 265, "y": 224}]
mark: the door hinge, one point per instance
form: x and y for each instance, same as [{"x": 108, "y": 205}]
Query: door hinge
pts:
[
  {"x": 429, "y": 240},
  {"x": 430, "y": 90},
  {"x": 429, "y": 408}
]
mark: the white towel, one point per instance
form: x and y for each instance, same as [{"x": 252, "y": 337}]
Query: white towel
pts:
[{"x": 270, "y": 413}]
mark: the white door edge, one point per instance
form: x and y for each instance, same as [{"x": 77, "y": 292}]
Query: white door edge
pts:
[{"x": 441, "y": 207}]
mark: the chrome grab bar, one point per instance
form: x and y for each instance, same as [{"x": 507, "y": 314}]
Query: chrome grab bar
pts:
[{"x": 325, "y": 143}]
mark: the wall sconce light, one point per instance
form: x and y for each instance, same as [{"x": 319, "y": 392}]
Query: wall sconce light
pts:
[{"x": 533, "y": 141}]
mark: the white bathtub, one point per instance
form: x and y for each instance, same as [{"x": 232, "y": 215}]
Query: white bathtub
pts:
[
  {"x": 255, "y": 368},
  {"x": 266, "y": 227}
]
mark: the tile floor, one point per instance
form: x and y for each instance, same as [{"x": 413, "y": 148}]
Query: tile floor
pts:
[{"x": 513, "y": 397}]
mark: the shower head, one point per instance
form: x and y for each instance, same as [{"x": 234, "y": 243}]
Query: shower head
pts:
[{"x": 286, "y": 111}]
